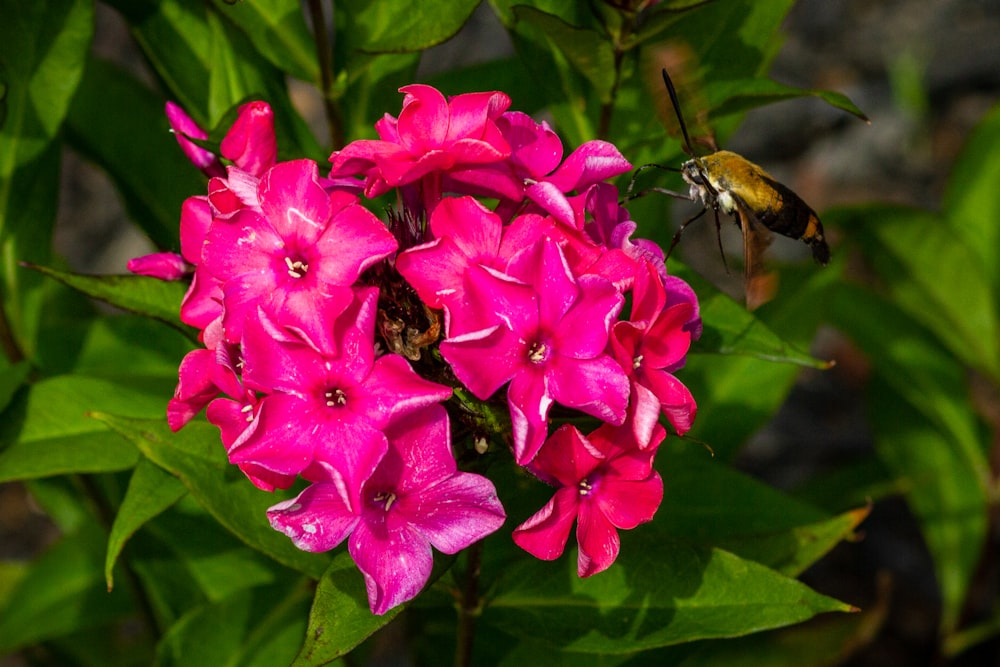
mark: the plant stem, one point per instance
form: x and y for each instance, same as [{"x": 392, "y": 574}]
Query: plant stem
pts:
[
  {"x": 468, "y": 607},
  {"x": 324, "y": 54}
]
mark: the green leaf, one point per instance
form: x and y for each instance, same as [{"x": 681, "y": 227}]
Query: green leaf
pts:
[
  {"x": 738, "y": 97},
  {"x": 728, "y": 328},
  {"x": 972, "y": 199},
  {"x": 942, "y": 490},
  {"x": 11, "y": 379},
  {"x": 399, "y": 27},
  {"x": 956, "y": 300},
  {"x": 82, "y": 453},
  {"x": 209, "y": 65},
  {"x": 94, "y": 348},
  {"x": 927, "y": 434},
  {"x": 63, "y": 592},
  {"x": 42, "y": 48},
  {"x": 159, "y": 299},
  {"x": 655, "y": 595},
  {"x": 821, "y": 642},
  {"x": 119, "y": 124},
  {"x": 708, "y": 504},
  {"x": 150, "y": 491},
  {"x": 217, "y": 560},
  {"x": 259, "y": 626},
  {"x": 340, "y": 618},
  {"x": 49, "y": 432},
  {"x": 278, "y": 31},
  {"x": 196, "y": 456},
  {"x": 588, "y": 51}
]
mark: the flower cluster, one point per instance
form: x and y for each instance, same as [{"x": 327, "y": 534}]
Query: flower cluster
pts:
[{"x": 315, "y": 318}]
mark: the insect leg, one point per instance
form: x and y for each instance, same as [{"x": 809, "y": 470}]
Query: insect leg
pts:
[
  {"x": 677, "y": 236},
  {"x": 718, "y": 236},
  {"x": 631, "y": 184}
]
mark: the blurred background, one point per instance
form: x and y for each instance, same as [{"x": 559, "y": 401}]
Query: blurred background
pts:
[{"x": 924, "y": 72}]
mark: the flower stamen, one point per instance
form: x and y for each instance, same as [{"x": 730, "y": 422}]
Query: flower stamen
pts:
[
  {"x": 335, "y": 398},
  {"x": 296, "y": 268},
  {"x": 385, "y": 497}
]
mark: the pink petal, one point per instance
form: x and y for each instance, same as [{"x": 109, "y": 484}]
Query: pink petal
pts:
[
  {"x": 535, "y": 146},
  {"x": 529, "y": 404},
  {"x": 194, "y": 387},
  {"x": 470, "y": 112},
  {"x": 597, "y": 386},
  {"x": 396, "y": 389},
  {"x": 675, "y": 399},
  {"x": 582, "y": 333},
  {"x": 455, "y": 512},
  {"x": 354, "y": 240},
  {"x": 544, "y": 535},
  {"x": 196, "y": 218},
  {"x": 566, "y": 458},
  {"x": 162, "y": 265},
  {"x": 627, "y": 503},
  {"x": 250, "y": 143},
  {"x": 598, "y": 541},
  {"x": 423, "y": 121},
  {"x": 552, "y": 199},
  {"x": 591, "y": 163},
  {"x": 394, "y": 558},
  {"x": 183, "y": 126},
  {"x": 317, "y": 520},
  {"x": 202, "y": 303},
  {"x": 293, "y": 201},
  {"x": 484, "y": 360},
  {"x": 419, "y": 454},
  {"x": 667, "y": 342}
]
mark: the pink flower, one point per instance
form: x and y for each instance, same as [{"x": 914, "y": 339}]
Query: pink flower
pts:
[
  {"x": 250, "y": 143},
  {"x": 320, "y": 405},
  {"x": 465, "y": 234},
  {"x": 650, "y": 346},
  {"x": 301, "y": 251},
  {"x": 432, "y": 137},
  {"x": 605, "y": 483},
  {"x": 183, "y": 127},
  {"x": 535, "y": 154},
  {"x": 545, "y": 331},
  {"x": 162, "y": 265},
  {"x": 395, "y": 506}
]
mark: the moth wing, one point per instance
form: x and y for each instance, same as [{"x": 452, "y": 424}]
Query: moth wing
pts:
[{"x": 759, "y": 285}]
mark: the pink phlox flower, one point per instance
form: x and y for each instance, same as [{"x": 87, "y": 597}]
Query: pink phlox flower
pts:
[
  {"x": 318, "y": 404},
  {"x": 465, "y": 233},
  {"x": 236, "y": 417},
  {"x": 163, "y": 265},
  {"x": 185, "y": 128},
  {"x": 238, "y": 190},
  {"x": 196, "y": 217},
  {"x": 605, "y": 483},
  {"x": 299, "y": 253},
  {"x": 545, "y": 331},
  {"x": 608, "y": 225},
  {"x": 395, "y": 507},
  {"x": 251, "y": 143},
  {"x": 195, "y": 387},
  {"x": 535, "y": 154},
  {"x": 432, "y": 137},
  {"x": 650, "y": 347},
  {"x": 524, "y": 231}
]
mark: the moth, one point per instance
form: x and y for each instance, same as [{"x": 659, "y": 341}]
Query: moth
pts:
[{"x": 727, "y": 182}]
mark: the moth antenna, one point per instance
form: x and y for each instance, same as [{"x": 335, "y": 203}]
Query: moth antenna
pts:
[{"x": 677, "y": 110}]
